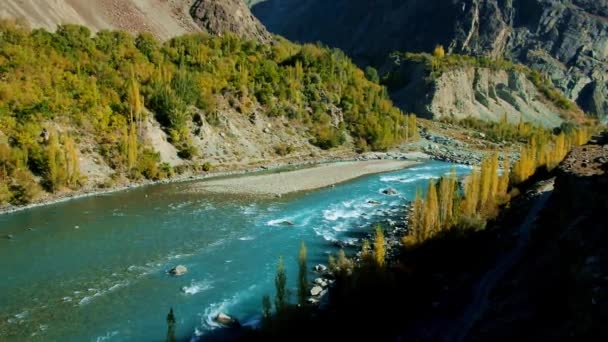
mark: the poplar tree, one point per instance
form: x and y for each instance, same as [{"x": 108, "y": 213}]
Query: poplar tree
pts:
[
  {"x": 302, "y": 275},
  {"x": 280, "y": 282},
  {"x": 71, "y": 161},
  {"x": 379, "y": 248},
  {"x": 415, "y": 224},
  {"x": 447, "y": 192},
  {"x": 431, "y": 211}
]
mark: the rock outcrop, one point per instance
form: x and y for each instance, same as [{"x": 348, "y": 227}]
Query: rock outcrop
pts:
[
  {"x": 223, "y": 16},
  {"x": 482, "y": 93},
  {"x": 566, "y": 39}
]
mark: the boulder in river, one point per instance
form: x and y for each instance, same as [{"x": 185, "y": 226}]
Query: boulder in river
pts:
[
  {"x": 178, "y": 270},
  {"x": 315, "y": 291},
  {"x": 9, "y": 236},
  {"x": 390, "y": 192},
  {"x": 321, "y": 282},
  {"x": 227, "y": 321},
  {"x": 287, "y": 223},
  {"x": 373, "y": 202},
  {"x": 320, "y": 268}
]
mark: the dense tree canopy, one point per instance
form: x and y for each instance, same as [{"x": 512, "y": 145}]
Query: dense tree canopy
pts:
[{"x": 93, "y": 88}]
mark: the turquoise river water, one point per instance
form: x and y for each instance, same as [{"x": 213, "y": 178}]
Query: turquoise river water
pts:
[{"x": 95, "y": 269}]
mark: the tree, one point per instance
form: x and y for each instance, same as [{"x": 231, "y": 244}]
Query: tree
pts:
[
  {"x": 72, "y": 163},
  {"x": 415, "y": 224},
  {"x": 431, "y": 211},
  {"x": 302, "y": 275},
  {"x": 171, "y": 326},
  {"x": 280, "y": 283},
  {"x": 372, "y": 74},
  {"x": 266, "y": 308},
  {"x": 439, "y": 51},
  {"x": 379, "y": 248},
  {"x": 447, "y": 192}
]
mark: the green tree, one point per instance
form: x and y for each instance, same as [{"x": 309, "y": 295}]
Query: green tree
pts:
[
  {"x": 280, "y": 283},
  {"x": 171, "y": 326},
  {"x": 302, "y": 275}
]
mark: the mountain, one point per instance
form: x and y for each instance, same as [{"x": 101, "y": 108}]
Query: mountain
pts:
[
  {"x": 164, "y": 19},
  {"x": 564, "y": 39}
]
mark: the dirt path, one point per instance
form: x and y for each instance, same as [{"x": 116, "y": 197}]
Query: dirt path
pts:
[{"x": 482, "y": 292}]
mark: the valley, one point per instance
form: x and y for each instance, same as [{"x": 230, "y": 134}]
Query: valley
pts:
[{"x": 227, "y": 170}]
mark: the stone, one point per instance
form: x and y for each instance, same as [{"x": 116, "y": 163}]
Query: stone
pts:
[
  {"x": 9, "y": 236},
  {"x": 266, "y": 130},
  {"x": 287, "y": 223},
  {"x": 321, "y": 282},
  {"x": 373, "y": 202},
  {"x": 178, "y": 270},
  {"x": 226, "y": 320},
  {"x": 315, "y": 291},
  {"x": 321, "y": 268},
  {"x": 390, "y": 192}
]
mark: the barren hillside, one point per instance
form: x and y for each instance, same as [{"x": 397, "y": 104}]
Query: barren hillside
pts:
[{"x": 163, "y": 18}]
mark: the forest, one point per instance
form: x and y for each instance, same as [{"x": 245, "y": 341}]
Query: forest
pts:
[{"x": 70, "y": 90}]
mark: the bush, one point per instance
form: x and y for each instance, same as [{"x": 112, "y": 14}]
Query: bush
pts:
[
  {"x": 283, "y": 149},
  {"x": 207, "y": 167},
  {"x": 187, "y": 152}
]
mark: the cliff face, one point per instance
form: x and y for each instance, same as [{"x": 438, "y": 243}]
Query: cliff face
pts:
[
  {"x": 222, "y": 16},
  {"x": 482, "y": 93},
  {"x": 566, "y": 39}
]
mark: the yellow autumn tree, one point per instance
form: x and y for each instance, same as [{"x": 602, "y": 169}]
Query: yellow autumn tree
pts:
[
  {"x": 439, "y": 51},
  {"x": 447, "y": 193},
  {"x": 72, "y": 164},
  {"x": 379, "y": 247},
  {"x": 431, "y": 212},
  {"x": 415, "y": 222}
]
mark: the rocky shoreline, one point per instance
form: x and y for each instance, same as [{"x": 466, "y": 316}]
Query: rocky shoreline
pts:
[{"x": 186, "y": 177}]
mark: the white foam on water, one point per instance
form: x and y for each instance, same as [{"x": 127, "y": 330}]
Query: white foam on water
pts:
[
  {"x": 250, "y": 210},
  {"x": 22, "y": 315},
  {"x": 247, "y": 238},
  {"x": 107, "y": 336},
  {"x": 197, "y": 287},
  {"x": 408, "y": 179}
]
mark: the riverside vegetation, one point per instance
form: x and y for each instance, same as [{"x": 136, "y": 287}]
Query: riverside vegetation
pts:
[
  {"x": 447, "y": 216},
  {"x": 68, "y": 91}
]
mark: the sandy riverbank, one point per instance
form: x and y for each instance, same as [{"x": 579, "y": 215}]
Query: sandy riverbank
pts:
[{"x": 300, "y": 180}]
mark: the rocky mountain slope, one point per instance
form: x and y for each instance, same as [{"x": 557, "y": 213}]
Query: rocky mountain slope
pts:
[
  {"x": 163, "y": 18},
  {"x": 566, "y": 39},
  {"x": 221, "y": 16},
  {"x": 458, "y": 87}
]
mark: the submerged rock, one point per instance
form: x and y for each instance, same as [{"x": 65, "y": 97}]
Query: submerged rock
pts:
[
  {"x": 321, "y": 268},
  {"x": 373, "y": 202},
  {"x": 321, "y": 282},
  {"x": 226, "y": 320},
  {"x": 178, "y": 270},
  {"x": 287, "y": 223},
  {"x": 390, "y": 192},
  {"x": 315, "y": 291}
]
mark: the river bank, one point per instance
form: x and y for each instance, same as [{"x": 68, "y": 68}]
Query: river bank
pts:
[
  {"x": 301, "y": 180},
  {"x": 239, "y": 170}
]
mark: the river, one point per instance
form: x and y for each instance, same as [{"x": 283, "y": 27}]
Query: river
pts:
[{"x": 95, "y": 269}]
